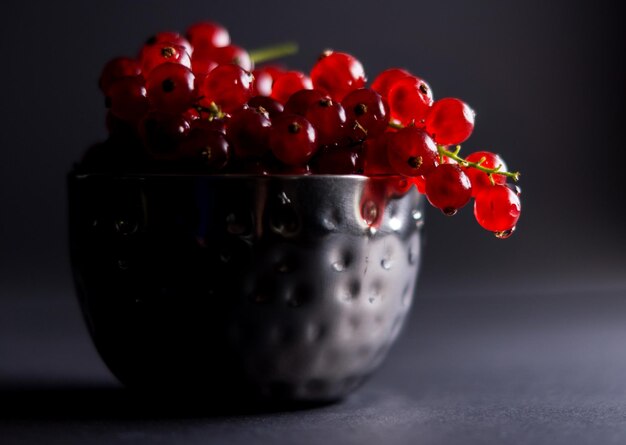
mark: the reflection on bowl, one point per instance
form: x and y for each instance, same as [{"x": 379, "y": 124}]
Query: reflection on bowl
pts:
[{"x": 284, "y": 287}]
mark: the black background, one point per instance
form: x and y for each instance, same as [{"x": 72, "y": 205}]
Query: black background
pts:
[{"x": 546, "y": 79}]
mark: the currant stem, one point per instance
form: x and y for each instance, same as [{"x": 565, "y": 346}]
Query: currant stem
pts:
[
  {"x": 273, "y": 52},
  {"x": 477, "y": 165}
]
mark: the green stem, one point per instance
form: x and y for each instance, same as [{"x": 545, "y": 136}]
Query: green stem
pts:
[
  {"x": 261, "y": 55},
  {"x": 477, "y": 165}
]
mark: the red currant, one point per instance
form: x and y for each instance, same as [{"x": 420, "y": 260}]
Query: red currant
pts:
[
  {"x": 206, "y": 146},
  {"x": 480, "y": 179},
  {"x": 328, "y": 117},
  {"x": 127, "y": 98},
  {"x": 154, "y": 55},
  {"x": 411, "y": 152},
  {"x": 366, "y": 115},
  {"x": 229, "y": 86},
  {"x": 375, "y": 160},
  {"x": 206, "y": 35},
  {"x": 336, "y": 74},
  {"x": 384, "y": 80},
  {"x": 162, "y": 132},
  {"x": 338, "y": 161},
  {"x": 171, "y": 38},
  {"x": 117, "y": 68},
  {"x": 171, "y": 88},
  {"x": 410, "y": 99},
  {"x": 273, "y": 107},
  {"x": 448, "y": 188},
  {"x": 288, "y": 83},
  {"x": 302, "y": 100},
  {"x": 229, "y": 54},
  {"x": 248, "y": 133},
  {"x": 450, "y": 121},
  {"x": 293, "y": 139},
  {"x": 497, "y": 209}
]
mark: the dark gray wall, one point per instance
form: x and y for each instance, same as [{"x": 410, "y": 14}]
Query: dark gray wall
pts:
[{"x": 546, "y": 79}]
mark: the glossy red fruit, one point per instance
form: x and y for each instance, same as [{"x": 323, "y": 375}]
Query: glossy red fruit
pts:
[
  {"x": 206, "y": 35},
  {"x": 328, "y": 117},
  {"x": 171, "y": 88},
  {"x": 375, "y": 160},
  {"x": 229, "y": 54},
  {"x": 448, "y": 188},
  {"x": 127, "y": 98},
  {"x": 229, "y": 86},
  {"x": 345, "y": 160},
  {"x": 302, "y": 100},
  {"x": 384, "y": 80},
  {"x": 264, "y": 103},
  {"x": 293, "y": 139},
  {"x": 288, "y": 83},
  {"x": 410, "y": 99},
  {"x": 248, "y": 133},
  {"x": 411, "y": 152},
  {"x": 205, "y": 147},
  {"x": 479, "y": 179},
  {"x": 162, "y": 132},
  {"x": 497, "y": 209},
  {"x": 366, "y": 114},
  {"x": 167, "y": 37},
  {"x": 117, "y": 68},
  {"x": 336, "y": 74},
  {"x": 202, "y": 64},
  {"x": 450, "y": 121},
  {"x": 154, "y": 55}
]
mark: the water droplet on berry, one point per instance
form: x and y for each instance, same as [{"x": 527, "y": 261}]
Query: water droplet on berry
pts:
[
  {"x": 505, "y": 233},
  {"x": 386, "y": 263},
  {"x": 125, "y": 227},
  {"x": 369, "y": 212}
]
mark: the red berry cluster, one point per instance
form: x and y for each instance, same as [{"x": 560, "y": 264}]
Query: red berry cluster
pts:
[{"x": 197, "y": 101}]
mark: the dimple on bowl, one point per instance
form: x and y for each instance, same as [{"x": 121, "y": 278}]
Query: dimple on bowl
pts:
[{"x": 287, "y": 287}]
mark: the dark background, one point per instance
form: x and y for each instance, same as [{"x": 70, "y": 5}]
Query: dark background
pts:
[{"x": 545, "y": 78}]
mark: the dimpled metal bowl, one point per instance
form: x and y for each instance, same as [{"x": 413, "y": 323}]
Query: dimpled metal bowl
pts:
[{"x": 286, "y": 287}]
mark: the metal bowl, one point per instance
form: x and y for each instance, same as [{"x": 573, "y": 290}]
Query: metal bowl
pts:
[{"x": 287, "y": 287}]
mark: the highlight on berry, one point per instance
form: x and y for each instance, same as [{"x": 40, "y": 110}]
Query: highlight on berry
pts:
[{"x": 198, "y": 102}]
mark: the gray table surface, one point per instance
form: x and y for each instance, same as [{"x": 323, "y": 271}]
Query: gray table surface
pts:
[{"x": 515, "y": 369}]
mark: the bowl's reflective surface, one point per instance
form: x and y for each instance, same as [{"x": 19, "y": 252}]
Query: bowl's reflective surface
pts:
[{"x": 287, "y": 287}]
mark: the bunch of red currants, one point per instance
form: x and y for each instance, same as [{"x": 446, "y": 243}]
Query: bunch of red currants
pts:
[{"x": 197, "y": 102}]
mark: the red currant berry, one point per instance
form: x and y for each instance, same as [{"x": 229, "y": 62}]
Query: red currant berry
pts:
[
  {"x": 171, "y": 88},
  {"x": 162, "y": 132},
  {"x": 159, "y": 53},
  {"x": 117, "y": 68},
  {"x": 171, "y": 38},
  {"x": 328, "y": 117},
  {"x": 288, "y": 83},
  {"x": 448, "y": 188},
  {"x": 202, "y": 64},
  {"x": 497, "y": 209},
  {"x": 375, "y": 160},
  {"x": 229, "y": 86},
  {"x": 336, "y": 74},
  {"x": 212, "y": 125},
  {"x": 208, "y": 147},
  {"x": 338, "y": 161},
  {"x": 366, "y": 115},
  {"x": 411, "y": 152},
  {"x": 230, "y": 54},
  {"x": 410, "y": 99},
  {"x": 384, "y": 80},
  {"x": 248, "y": 133},
  {"x": 264, "y": 103},
  {"x": 480, "y": 179},
  {"x": 127, "y": 99},
  {"x": 206, "y": 35},
  {"x": 302, "y": 100},
  {"x": 293, "y": 139},
  {"x": 450, "y": 121}
]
